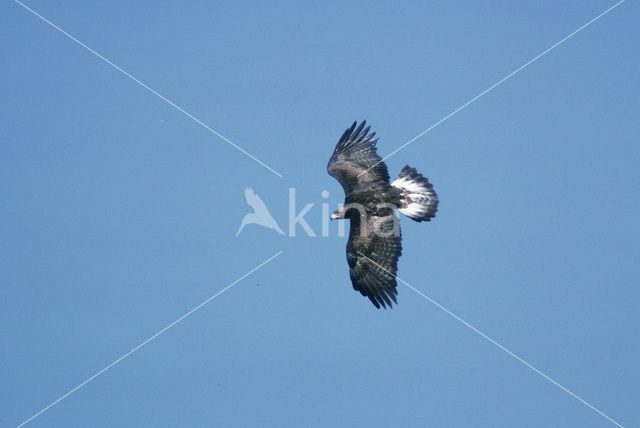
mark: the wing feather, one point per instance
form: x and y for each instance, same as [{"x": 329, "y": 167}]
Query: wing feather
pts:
[
  {"x": 355, "y": 162},
  {"x": 373, "y": 258}
]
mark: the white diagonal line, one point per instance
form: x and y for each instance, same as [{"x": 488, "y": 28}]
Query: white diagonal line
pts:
[
  {"x": 150, "y": 339},
  {"x": 498, "y": 83},
  {"x": 577, "y": 397},
  {"x": 162, "y": 97}
]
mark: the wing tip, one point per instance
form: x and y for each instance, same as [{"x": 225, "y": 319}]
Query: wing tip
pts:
[
  {"x": 382, "y": 299},
  {"x": 356, "y": 134}
]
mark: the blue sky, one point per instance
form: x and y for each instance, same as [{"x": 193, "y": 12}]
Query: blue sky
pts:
[{"x": 119, "y": 214}]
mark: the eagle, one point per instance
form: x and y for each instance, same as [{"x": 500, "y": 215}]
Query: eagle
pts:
[{"x": 371, "y": 203}]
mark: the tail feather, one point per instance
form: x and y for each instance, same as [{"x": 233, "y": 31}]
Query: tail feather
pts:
[{"x": 418, "y": 199}]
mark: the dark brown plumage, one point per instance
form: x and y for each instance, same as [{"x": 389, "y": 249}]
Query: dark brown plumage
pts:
[{"x": 371, "y": 201}]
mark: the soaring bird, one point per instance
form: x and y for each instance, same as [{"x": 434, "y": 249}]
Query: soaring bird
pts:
[
  {"x": 260, "y": 214},
  {"x": 371, "y": 202}
]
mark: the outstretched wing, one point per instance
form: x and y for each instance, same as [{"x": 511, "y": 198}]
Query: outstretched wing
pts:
[
  {"x": 355, "y": 162},
  {"x": 373, "y": 249}
]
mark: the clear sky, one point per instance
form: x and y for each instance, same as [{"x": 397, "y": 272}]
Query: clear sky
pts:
[{"x": 119, "y": 214}]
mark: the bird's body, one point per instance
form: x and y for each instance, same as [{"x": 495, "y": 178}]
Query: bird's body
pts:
[{"x": 371, "y": 201}]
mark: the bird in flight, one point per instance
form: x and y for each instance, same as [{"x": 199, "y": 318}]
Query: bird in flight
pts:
[{"x": 371, "y": 202}]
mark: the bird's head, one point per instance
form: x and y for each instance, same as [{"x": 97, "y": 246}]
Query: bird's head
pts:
[{"x": 338, "y": 214}]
